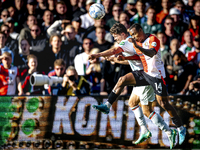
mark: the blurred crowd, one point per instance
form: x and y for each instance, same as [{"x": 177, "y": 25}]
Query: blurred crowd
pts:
[{"x": 55, "y": 38}]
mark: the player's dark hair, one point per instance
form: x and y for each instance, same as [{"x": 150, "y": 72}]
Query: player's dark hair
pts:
[
  {"x": 136, "y": 26},
  {"x": 118, "y": 28}
]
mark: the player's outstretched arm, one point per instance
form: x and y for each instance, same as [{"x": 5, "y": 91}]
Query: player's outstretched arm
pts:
[
  {"x": 109, "y": 52},
  {"x": 149, "y": 52},
  {"x": 115, "y": 59}
]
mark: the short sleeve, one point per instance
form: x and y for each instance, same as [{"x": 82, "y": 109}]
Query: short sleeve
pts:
[{"x": 154, "y": 43}]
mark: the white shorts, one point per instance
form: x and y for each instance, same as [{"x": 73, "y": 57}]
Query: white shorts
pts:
[{"x": 146, "y": 94}]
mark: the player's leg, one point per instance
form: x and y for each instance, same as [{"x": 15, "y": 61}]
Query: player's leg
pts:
[
  {"x": 127, "y": 79},
  {"x": 133, "y": 103},
  {"x": 164, "y": 103},
  {"x": 162, "y": 97},
  {"x": 159, "y": 122}
]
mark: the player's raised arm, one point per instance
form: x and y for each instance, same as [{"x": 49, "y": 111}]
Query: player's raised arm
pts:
[{"x": 109, "y": 52}]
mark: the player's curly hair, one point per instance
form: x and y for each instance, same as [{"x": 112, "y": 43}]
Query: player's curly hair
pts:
[{"x": 118, "y": 28}]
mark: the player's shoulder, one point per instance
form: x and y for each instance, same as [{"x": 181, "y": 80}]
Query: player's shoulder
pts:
[{"x": 153, "y": 39}]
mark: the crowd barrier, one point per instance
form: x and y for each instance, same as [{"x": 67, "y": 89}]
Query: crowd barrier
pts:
[{"x": 60, "y": 122}]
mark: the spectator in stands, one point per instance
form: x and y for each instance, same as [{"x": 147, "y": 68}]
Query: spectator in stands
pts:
[
  {"x": 189, "y": 8},
  {"x": 41, "y": 8},
  {"x": 188, "y": 45},
  {"x": 164, "y": 48},
  {"x": 151, "y": 26},
  {"x": 31, "y": 10},
  {"x": 28, "y": 89},
  {"x": 11, "y": 43},
  {"x": 73, "y": 84},
  {"x": 20, "y": 60},
  {"x": 166, "y": 4},
  {"x": 91, "y": 31},
  {"x": 185, "y": 73},
  {"x": 2, "y": 45},
  {"x": 52, "y": 5},
  {"x": 140, "y": 17},
  {"x": 131, "y": 8},
  {"x": 62, "y": 11},
  {"x": 38, "y": 41},
  {"x": 179, "y": 25},
  {"x": 198, "y": 70},
  {"x": 76, "y": 23},
  {"x": 59, "y": 71},
  {"x": 197, "y": 8},
  {"x": 181, "y": 7},
  {"x": 93, "y": 72},
  {"x": 4, "y": 16},
  {"x": 9, "y": 76},
  {"x": 25, "y": 33},
  {"x": 86, "y": 20},
  {"x": 169, "y": 64},
  {"x": 56, "y": 51},
  {"x": 194, "y": 25},
  {"x": 169, "y": 30},
  {"x": 12, "y": 13},
  {"x": 48, "y": 20},
  {"x": 194, "y": 87},
  {"x": 108, "y": 4},
  {"x": 13, "y": 32},
  {"x": 116, "y": 10},
  {"x": 194, "y": 56},
  {"x": 20, "y": 9},
  {"x": 76, "y": 10},
  {"x": 57, "y": 27},
  {"x": 125, "y": 23},
  {"x": 124, "y": 17},
  {"x": 71, "y": 43},
  {"x": 101, "y": 43},
  {"x": 80, "y": 61}
]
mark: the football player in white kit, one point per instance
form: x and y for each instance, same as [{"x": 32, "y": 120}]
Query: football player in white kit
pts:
[{"x": 144, "y": 94}]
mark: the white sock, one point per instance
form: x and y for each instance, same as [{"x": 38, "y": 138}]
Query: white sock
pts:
[
  {"x": 140, "y": 118},
  {"x": 158, "y": 121},
  {"x": 180, "y": 128},
  {"x": 108, "y": 104}
]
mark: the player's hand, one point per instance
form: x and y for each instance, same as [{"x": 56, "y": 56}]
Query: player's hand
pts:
[
  {"x": 120, "y": 58},
  {"x": 110, "y": 58},
  {"x": 132, "y": 40}
]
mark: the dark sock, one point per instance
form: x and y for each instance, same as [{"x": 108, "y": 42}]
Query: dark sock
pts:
[
  {"x": 112, "y": 97},
  {"x": 177, "y": 121}
]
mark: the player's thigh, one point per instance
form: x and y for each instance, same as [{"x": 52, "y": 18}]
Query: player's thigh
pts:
[{"x": 127, "y": 79}]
